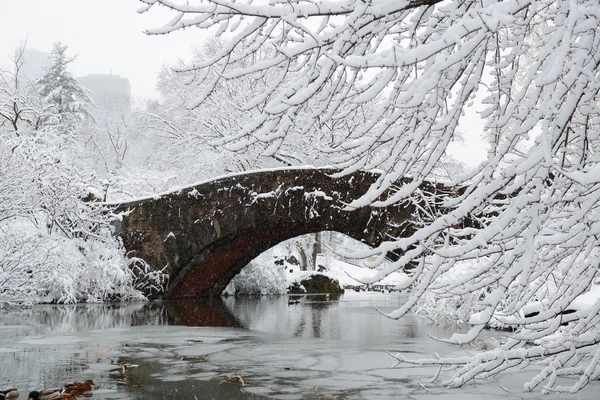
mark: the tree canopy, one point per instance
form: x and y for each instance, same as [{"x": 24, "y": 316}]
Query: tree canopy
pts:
[
  {"x": 56, "y": 243},
  {"x": 531, "y": 68}
]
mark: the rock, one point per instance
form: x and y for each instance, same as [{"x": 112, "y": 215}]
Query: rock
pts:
[
  {"x": 292, "y": 260},
  {"x": 316, "y": 283}
]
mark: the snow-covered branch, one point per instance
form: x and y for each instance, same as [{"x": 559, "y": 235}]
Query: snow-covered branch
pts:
[{"x": 524, "y": 226}]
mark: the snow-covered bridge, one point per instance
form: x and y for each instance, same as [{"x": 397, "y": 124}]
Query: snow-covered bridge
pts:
[{"x": 205, "y": 234}]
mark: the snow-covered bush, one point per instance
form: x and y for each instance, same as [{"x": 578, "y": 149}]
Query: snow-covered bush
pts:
[
  {"x": 38, "y": 266},
  {"x": 258, "y": 278},
  {"x": 54, "y": 247}
]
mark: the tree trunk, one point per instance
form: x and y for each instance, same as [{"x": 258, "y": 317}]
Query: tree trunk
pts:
[{"x": 316, "y": 249}]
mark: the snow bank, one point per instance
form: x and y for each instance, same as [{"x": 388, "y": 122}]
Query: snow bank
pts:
[
  {"x": 258, "y": 279},
  {"x": 263, "y": 277}
]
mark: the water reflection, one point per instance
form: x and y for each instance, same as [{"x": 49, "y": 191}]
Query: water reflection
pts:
[
  {"x": 45, "y": 319},
  {"x": 342, "y": 317},
  {"x": 198, "y": 312}
]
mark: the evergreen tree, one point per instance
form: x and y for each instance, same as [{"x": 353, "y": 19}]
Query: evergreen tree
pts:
[{"x": 68, "y": 101}]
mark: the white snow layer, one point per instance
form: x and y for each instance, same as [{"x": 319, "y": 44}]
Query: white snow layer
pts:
[{"x": 263, "y": 277}]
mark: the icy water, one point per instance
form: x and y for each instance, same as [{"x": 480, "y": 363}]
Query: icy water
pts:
[{"x": 319, "y": 348}]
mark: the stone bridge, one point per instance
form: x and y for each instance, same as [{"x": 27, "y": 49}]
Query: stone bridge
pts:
[{"x": 205, "y": 234}]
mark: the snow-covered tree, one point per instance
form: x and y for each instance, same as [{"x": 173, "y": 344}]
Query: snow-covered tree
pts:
[
  {"x": 20, "y": 104},
  {"x": 536, "y": 197},
  {"x": 68, "y": 100},
  {"x": 54, "y": 247},
  {"x": 198, "y": 130}
]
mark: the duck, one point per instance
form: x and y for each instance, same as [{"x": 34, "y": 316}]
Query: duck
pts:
[
  {"x": 69, "y": 391},
  {"x": 80, "y": 386},
  {"x": 59, "y": 393},
  {"x": 9, "y": 393}
]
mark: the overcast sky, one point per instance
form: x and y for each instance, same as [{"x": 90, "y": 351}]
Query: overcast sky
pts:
[{"x": 106, "y": 35}]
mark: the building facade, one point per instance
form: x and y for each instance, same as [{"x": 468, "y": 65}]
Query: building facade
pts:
[
  {"x": 111, "y": 93},
  {"x": 34, "y": 64}
]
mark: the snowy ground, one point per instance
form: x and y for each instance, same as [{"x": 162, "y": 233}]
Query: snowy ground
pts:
[
  {"x": 263, "y": 276},
  {"x": 352, "y": 275}
]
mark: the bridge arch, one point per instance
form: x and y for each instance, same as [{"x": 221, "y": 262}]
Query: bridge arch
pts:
[{"x": 205, "y": 234}]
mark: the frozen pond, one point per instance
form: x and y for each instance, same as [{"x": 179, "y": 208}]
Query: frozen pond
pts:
[{"x": 319, "y": 348}]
